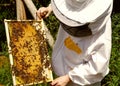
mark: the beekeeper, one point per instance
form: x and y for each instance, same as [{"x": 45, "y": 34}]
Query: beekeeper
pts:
[{"x": 82, "y": 50}]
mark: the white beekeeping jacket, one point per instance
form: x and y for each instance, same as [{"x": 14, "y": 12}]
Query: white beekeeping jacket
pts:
[{"x": 84, "y": 59}]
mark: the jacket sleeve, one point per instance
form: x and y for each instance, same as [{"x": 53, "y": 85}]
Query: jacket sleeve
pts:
[{"x": 96, "y": 65}]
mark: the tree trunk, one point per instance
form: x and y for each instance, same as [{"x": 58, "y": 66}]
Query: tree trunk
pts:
[{"x": 21, "y": 14}]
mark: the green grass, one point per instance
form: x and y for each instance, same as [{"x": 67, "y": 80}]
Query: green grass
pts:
[{"x": 5, "y": 73}]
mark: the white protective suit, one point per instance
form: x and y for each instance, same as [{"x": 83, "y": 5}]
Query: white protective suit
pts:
[{"x": 84, "y": 59}]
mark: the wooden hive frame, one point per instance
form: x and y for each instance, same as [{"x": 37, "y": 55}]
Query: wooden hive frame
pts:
[{"x": 38, "y": 70}]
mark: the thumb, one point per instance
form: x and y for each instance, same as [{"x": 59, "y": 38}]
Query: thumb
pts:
[{"x": 44, "y": 14}]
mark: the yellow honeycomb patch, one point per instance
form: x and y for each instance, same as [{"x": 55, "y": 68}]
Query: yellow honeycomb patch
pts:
[{"x": 70, "y": 44}]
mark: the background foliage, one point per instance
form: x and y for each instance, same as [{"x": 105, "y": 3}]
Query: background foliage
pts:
[{"x": 8, "y": 11}]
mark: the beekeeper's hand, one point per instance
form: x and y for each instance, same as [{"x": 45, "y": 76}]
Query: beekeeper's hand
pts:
[
  {"x": 61, "y": 81},
  {"x": 44, "y": 12}
]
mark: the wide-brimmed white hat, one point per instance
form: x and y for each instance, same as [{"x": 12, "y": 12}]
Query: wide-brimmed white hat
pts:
[{"x": 79, "y": 11}]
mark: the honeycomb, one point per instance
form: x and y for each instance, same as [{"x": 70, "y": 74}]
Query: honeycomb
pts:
[{"x": 29, "y": 52}]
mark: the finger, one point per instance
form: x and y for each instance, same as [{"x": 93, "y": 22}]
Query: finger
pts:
[
  {"x": 40, "y": 12},
  {"x": 43, "y": 14},
  {"x": 54, "y": 83},
  {"x": 38, "y": 15},
  {"x": 47, "y": 15}
]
